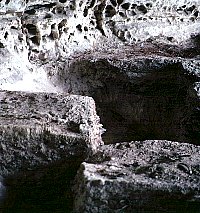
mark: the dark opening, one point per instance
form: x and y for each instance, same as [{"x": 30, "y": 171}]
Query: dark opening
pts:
[
  {"x": 30, "y": 12},
  {"x": 110, "y": 11},
  {"x": 7, "y": 2},
  {"x": 6, "y": 35},
  {"x": 142, "y": 8},
  {"x": 32, "y": 29},
  {"x": 35, "y": 40},
  {"x": 113, "y": 2},
  {"x": 45, "y": 189},
  {"x": 159, "y": 104},
  {"x": 120, "y": 1},
  {"x": 62, "y": 1},
  {"x": 126, "y": 6}
]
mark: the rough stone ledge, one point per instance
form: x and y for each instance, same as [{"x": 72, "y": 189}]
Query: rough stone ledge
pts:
[
  {"x": 149, "y": 176},
  {"x": 39, "y": 128}
]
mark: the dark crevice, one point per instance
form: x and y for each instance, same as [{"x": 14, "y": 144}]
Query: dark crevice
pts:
[
  {"x": 99, "y": 17},
  {"x": 32, "y": 29},
  {"x": 30, "y": 12},
  {"x": 85, "y": 12},
  {"x": 120, "y": 1},
  {"x": 142, "y": 8},
  {"x": 6, "y": 35},
  {"x": 92, "y": 4},
  {"x": 35, "y": 40},
  {"x": 110, "y": 11},
  {"x": 125, "y": 6},
  {"x": 62, "y": 1},
  {"x": 1, "y": 45},
  {"x": 13, "y": 28},
  {"x": 79, "y": 28},
  {"x": 113, "y": 2},
  {"x": 7, "y": 2}
]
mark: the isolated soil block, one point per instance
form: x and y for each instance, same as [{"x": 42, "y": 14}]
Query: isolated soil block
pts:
[
  {"x": 38, "y": 128},
  {"x": 149, "y": 176}
]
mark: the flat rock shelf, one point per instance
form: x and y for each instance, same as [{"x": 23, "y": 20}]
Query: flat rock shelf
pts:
[{"x": 148, "y": 176}]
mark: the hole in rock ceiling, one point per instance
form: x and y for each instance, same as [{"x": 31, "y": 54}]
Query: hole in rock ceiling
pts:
[
  {"x": 126, "y": 6},
  {"x": 7, "y": 2},
  {"x": 159, "y": 104},
  {"x": 62, "y": 1},
  {"x": 32, "y": 29},
  {"x": 120, "y": 1},
  {"x": 113, "y": 2}
]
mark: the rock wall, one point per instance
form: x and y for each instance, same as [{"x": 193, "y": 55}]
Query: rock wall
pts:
[
  {"x": 138, "y": 59},
  {"x": 151, "y": 97},
  {"x": 34, "y": 33}
]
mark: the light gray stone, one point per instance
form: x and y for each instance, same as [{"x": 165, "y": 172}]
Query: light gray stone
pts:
[
  {"x": 35, "y": 33},
  {"x": 148, "y": 176}
]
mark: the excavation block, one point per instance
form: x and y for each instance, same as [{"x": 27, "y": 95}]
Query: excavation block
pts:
[
  {"x": 149, "y": 176},
  {"x": 39, "y": 128}
]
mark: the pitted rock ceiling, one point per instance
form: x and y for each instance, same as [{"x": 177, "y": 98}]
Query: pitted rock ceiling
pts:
[{"x": 34, "y": 33}]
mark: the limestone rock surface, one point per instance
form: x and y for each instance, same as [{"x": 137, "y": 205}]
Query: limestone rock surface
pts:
[
  {"x": 148, "y": 176},
  {"x": 33, "y": 33},
  {"x": 39, "y": 128},
  {"x": 140, "y": 61}
]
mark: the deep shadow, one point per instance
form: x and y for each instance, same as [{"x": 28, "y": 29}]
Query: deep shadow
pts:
[
  {"x": 159, "y": 104},
  {"x": 45, "y": 189}
]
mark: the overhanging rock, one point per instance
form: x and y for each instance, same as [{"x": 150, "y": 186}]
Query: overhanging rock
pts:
[
  {"x": 149, "y": 176},
  {"x": 38, "y": 128}
]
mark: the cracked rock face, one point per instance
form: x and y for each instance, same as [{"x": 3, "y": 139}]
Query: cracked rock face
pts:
[
  {"x": 38, "y": 129},
  {"x": 149, "y": 176}
]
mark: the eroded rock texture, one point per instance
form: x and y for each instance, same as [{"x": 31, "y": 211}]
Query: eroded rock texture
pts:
[
  {"x": 37, "y": 129},
  {"x": 44, "y": 138},
  {"x": 34, "y": 33},
  {"x": 138, "y": 59},
  {"x": 141, "y": 57},
  {"x": 149, "y": 176}
]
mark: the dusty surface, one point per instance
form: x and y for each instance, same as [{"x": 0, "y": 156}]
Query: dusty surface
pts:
[{"x": 149, "y": 176}]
